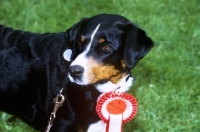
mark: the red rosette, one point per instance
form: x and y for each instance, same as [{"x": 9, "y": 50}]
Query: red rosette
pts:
[{"x": 116, "y": 103}]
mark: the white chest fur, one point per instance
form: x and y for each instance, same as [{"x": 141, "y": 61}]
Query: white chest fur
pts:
[{"x": 99, "y": 126}]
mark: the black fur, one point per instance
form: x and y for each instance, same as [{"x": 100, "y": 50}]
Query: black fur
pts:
[
  {"x": 137, "y": 46},
  {"x": 33, "y": 71}
]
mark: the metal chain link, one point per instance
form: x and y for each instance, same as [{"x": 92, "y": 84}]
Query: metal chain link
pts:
[{"x": 58, "y": 102}]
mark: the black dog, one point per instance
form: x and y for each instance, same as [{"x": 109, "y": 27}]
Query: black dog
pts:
[{"x": 95, "y": 55}]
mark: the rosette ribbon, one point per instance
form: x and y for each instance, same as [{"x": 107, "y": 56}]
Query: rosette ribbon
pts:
[{"x": 115, "y": 109}]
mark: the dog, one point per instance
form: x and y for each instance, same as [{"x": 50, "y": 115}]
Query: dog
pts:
[{"x": 94, "y": 56}]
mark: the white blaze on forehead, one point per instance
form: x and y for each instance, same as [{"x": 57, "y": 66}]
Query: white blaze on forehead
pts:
[
  {"x": 82, "y": 57},
  {"x": 82, "y": 60},
  {"x": 92, "y": 37},
  {"x": 67, "y": 54}
]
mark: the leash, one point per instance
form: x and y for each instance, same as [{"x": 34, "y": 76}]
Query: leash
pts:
[{"x": 58, "y": 102}]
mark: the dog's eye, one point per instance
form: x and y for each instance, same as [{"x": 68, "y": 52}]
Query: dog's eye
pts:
[{"x": 106, "y": 47}]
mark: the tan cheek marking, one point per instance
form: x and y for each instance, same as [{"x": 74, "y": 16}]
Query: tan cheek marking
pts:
[
  {"x": 101, "y": 40},
  {"x": 115, "y": 79},
  {"x": 100, "y": 72}
]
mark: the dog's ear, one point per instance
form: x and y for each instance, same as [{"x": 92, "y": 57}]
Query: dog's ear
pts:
[
  {"x": 71, "y": 39},
  {"x": 138, "y": 44}
]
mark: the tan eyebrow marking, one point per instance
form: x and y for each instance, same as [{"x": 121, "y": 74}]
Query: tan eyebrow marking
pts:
[
  {"x": 82, "y": 39},
  {"x": 101, "y": 40}
]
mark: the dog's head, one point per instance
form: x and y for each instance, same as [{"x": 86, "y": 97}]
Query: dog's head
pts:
[{"x": 103, "y": 49}]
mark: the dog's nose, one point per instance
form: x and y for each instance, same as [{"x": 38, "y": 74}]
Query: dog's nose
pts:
[{"x": 76, "y": 71}]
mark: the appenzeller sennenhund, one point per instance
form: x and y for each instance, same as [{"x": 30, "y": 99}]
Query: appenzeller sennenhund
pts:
[{"x": 94, "y": 56}]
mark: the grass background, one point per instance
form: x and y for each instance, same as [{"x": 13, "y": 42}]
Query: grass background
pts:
[{"x": 167, "y": 81}]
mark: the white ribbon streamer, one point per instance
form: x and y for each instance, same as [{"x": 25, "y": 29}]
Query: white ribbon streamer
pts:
[{"x": 115, "y": 123}]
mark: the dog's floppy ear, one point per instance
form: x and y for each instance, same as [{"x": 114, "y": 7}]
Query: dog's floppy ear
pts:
[
  {"x": 71, "y": 39},
  {"x": 138, "y": 44}
]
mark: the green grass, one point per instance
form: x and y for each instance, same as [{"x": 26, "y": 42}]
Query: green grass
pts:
[{"x": 166, "y": 85}]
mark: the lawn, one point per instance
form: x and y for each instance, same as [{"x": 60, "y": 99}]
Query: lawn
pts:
[{"x": 167, "y": 80}]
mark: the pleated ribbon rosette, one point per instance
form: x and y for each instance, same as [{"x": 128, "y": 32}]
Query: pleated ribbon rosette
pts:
[{"x": 115, "y": 109}]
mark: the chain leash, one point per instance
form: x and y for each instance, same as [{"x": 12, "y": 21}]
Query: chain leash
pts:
[{"x": 58, "y": 102}]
